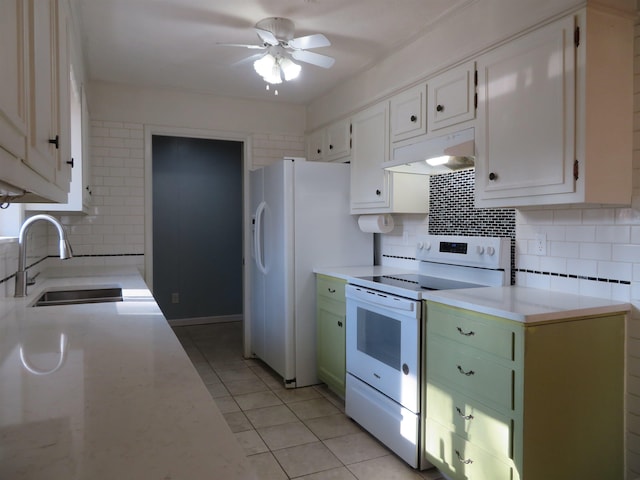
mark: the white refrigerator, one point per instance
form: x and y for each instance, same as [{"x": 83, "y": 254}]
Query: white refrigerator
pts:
[{"x": 300, "y": 221}]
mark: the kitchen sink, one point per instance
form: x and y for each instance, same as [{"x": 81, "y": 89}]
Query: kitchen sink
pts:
[{"x": 79, "y": 296}]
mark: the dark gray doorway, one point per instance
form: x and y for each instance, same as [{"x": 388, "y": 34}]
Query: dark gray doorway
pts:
[{"x": 197, "y": 227}]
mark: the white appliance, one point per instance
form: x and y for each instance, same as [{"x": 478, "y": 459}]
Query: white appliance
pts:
[
  {"x": 385, "y": 334},
  {"x": 301, "y": 221}
]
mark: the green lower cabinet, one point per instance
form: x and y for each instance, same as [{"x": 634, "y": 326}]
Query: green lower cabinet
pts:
[
  {"x": 331, "y": 328},
  {"x": 545, "y": 402}
]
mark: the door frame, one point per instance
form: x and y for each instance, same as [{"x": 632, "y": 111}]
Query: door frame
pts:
[{"x": 247, "y": 162}]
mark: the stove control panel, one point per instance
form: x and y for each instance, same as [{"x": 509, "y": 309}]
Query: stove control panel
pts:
[{"x": 487, "y": 252}]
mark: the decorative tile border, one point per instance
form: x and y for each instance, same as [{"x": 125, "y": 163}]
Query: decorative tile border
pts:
[{"x": 577, "y": 277}]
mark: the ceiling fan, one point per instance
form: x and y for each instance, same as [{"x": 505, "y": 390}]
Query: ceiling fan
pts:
[{"x": 276, "y": 34}]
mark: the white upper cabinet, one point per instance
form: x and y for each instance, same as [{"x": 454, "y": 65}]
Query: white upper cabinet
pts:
[
  {"x": 44, "y": 136},
  {"x": 373, "y": 189},
  {"x": 315, "y": 145},
  {"x": 62, "y": 93},
  {"x": 34, "y": 130},
  {"x": 13, "y": 77},
  {"x": 408, "y": 113},
  {"x": 555, "y": 114},
  {"x": 369, "y": 182},
  {"x": 338, "y": 140},
  {"x": 331, "y": 143},
  {"x": 451, "y": 97}
]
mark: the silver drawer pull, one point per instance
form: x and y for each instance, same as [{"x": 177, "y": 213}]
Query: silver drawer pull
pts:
[
  {"x": 331, "y": 290},
  {"x": 467, "y": 373},
  {"x": 461, "y": 413},
  {"x": 470, "y": 333},
  {"x": 466, "y": 461}
]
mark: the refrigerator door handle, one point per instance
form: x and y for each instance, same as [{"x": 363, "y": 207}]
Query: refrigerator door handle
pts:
[{"x": 257, "y": 235}]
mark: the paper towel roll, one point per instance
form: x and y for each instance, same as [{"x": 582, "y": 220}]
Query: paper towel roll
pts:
[{"x": 375, "y": 223}]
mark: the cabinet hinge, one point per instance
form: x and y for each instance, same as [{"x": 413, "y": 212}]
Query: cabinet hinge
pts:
[
  {"x": 576, "y": 170},
  {"x": 576, "y": 37},
  {"x": 475, "y": 100},
  {"x": 351, "y": 128},
  {"x": 475, "y": 78},
  {"x": 350, "y": 143}
]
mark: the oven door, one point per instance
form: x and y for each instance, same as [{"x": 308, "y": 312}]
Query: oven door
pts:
[{"x": 382, "y": 343}]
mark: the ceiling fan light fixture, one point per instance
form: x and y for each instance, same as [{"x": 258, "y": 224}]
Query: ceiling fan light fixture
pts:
[
  {"x": 290, "y": 69},
  {"x": 268, "y": 68},
  {"x": 264, "y": 65}
]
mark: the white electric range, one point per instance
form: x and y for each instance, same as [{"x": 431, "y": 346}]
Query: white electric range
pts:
[{"x": 385, "y": 334}]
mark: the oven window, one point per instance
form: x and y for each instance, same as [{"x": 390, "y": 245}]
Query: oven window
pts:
[{"x": 379, "y": 337}]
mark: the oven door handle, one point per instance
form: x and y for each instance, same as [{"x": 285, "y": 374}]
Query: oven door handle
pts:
[{"x": 381, "y": 299}]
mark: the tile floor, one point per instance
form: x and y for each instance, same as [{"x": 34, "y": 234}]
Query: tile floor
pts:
[{"x": 286, "y": 433}]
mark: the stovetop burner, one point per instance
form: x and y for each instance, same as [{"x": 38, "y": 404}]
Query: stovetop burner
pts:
[{"x": 419, "y": 282}]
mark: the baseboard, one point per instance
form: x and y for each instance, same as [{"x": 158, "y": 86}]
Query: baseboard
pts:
[{"x": 184, "y": 322}]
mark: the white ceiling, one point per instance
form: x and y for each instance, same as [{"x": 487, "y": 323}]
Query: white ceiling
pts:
[{"x": 173, "y": 43}]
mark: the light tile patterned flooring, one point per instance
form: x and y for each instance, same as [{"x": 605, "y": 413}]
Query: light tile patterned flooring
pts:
[{"x": 286, "y": 433}]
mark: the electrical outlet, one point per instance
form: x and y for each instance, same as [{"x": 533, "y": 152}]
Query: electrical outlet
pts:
[
  {"x": 540, "y": 245},
  {"x": 175, "y": 298}
]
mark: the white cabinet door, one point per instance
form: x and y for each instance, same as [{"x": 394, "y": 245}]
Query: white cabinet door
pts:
[
  {"x": 62, "y": 95},
  {"x": 315, "y": 145},
  {"x": 408, "y": 113},
  {"x": 13, "y": 77},
  {"x": 338, "y": 137},
  {"x": 526, "y": 115},
  {"x": 451, "y": 97},
  {"x": 41, "y": 154},
  {"x": 369, "y": 182}
]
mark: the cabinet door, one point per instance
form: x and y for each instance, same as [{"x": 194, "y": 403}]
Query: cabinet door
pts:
[
  {"x": 315, "y": 146},
  {"x": 338, "y": 140},
  {"x": 526, "y": 115},
  {"x": 451, "y": 97},
  {"x": 62, "y": 95},
  {"x": 331, "y": 318},
  {"x": 13, "y": 77},
  {"x": 369, "y": 182},
  {"x": 41, "y": 154},
  {"x": 408, "y": 114}
]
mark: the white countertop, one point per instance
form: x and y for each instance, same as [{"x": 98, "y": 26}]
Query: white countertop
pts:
[
  {"x": 526, "y": 304},
  {"x": 521, "y": 304},
  {"x": 125, "y": 401}
]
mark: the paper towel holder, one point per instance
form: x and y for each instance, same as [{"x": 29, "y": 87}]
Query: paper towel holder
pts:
[{"x": 377, "y": 223}]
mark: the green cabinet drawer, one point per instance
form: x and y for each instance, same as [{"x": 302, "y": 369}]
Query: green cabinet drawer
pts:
[
  {"x": 330, "y": 287},
  {"x": 470, "y": 372},
  {"x": 459, "y": 459},
  {"x": 471, "y": 420},
  {"x": 472, "y": 329}
]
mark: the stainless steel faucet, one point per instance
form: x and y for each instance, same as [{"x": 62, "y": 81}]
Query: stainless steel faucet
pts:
[{"x": 65, "y": 249}]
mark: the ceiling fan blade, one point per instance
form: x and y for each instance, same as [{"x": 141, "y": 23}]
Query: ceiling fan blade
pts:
[
  {"x": 256, "y": 47},
  {"x": 310, "y": 41},
  {"x": 313, "y": 58},
  {"x": 249, "y": 59},
  {"x": 267, "y": 37}
]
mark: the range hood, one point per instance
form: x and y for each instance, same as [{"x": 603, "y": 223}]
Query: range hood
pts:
[{"x": 447, "y": 153}]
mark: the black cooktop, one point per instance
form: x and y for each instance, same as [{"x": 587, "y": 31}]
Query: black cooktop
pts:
[{"x": 418, "y": 282}]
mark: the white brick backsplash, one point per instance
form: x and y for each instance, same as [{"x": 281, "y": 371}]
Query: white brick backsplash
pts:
[
  {"x": 567, "y": 217},
  {"x": 581, "y": 233},
  {"x": 598, "y": 216},
  {"x": 583, "y": 268},
  {"x": 595, "y": 251},
  {"x": 615, "y": 270},
  {"x": 563, "y": 249},
  {"x": 613, "y": 234},
  {"x": 626, "y": 253}
]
